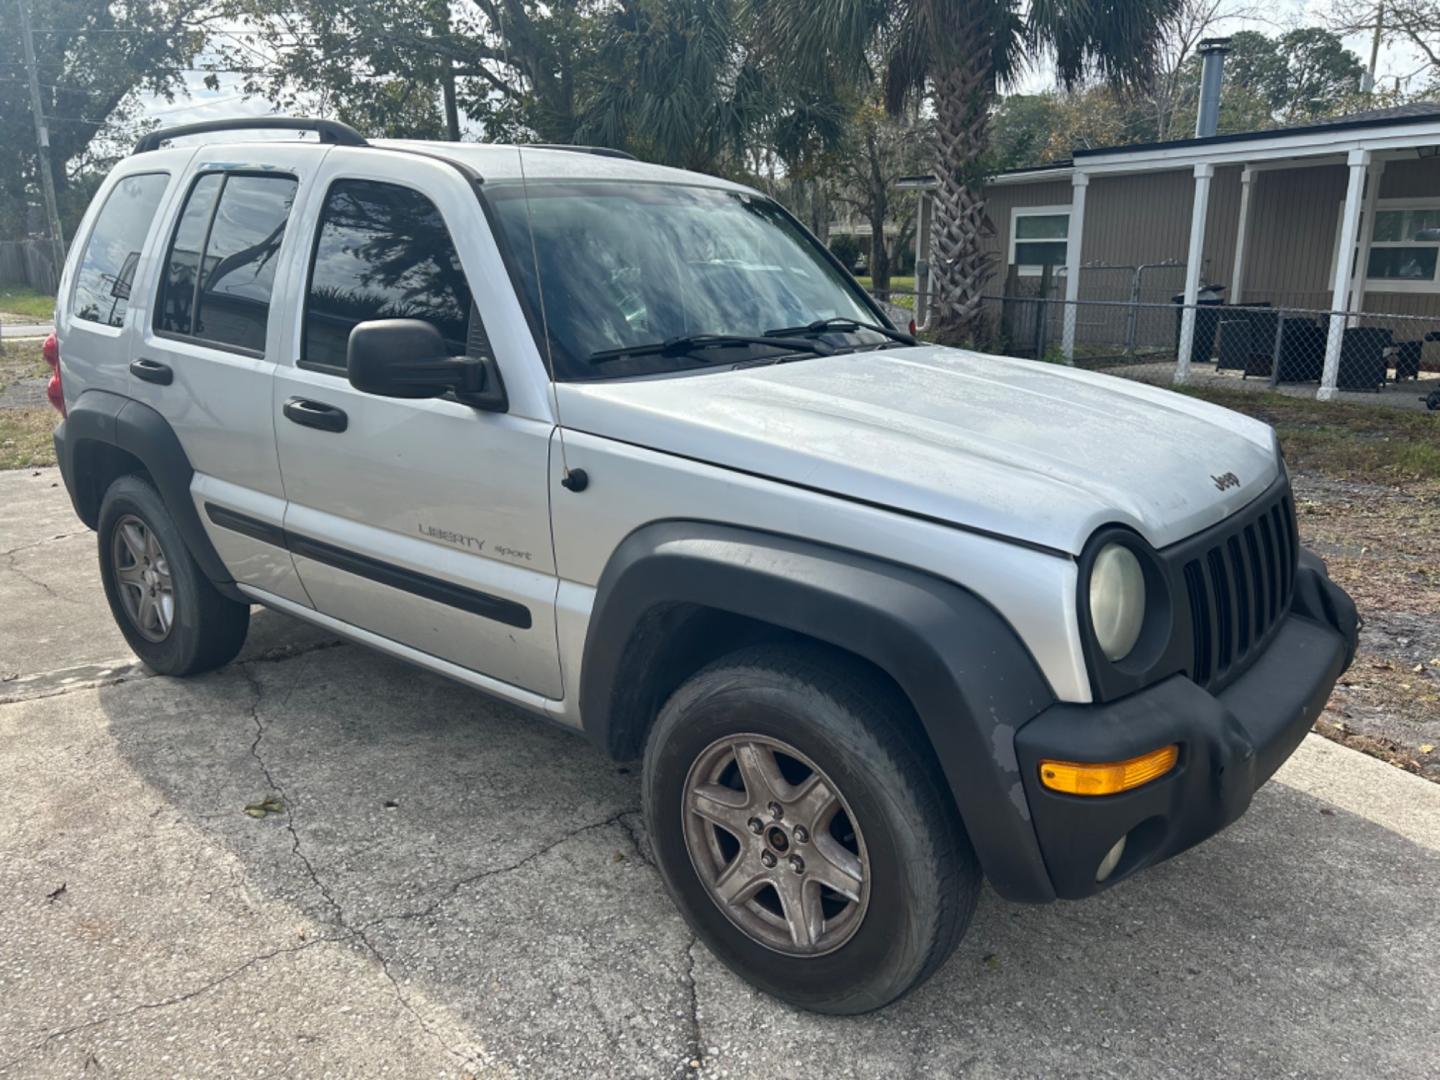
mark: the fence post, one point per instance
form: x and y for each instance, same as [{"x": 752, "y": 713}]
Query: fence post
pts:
[
  {"x": 1275, "y": 352},
  {"x": 1042, "y": 312},
  {"x": 1132, "y": 315}
]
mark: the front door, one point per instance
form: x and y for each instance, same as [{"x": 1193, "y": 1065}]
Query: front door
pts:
[{"x": 423, "y": 521}]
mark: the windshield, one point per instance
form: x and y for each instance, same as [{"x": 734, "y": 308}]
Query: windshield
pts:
[{"x": 631, "y": 265}]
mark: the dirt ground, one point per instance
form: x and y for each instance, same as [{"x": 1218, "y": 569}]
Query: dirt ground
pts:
[{"x": 1382, "y": 544}]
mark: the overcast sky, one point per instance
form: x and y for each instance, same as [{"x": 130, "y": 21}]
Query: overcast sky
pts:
[{"x": 228, "y": 100}]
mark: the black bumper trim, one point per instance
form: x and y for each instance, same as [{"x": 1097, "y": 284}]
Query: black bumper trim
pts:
[{"x": 1231, "y": 743}]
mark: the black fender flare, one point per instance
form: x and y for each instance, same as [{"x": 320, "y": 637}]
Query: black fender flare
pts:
[
  {"x": 99, "y": 416},
  {"x": 969, "y": 677}
]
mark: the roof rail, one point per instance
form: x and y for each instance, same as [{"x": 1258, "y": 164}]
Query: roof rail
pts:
[
  {"x": 330, "y": 131},
  {"x": 598, "y": 151}
]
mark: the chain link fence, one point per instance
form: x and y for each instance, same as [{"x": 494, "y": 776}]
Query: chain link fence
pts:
[{"x": 1129, "y": 319}]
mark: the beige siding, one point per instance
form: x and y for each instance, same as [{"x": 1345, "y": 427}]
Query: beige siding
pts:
[
  {"x": 1145, "y": 218},
  {"x": 1000, "y": 200}
]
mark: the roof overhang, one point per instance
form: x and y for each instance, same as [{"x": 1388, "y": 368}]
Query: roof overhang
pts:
[{"x": 1260, "y": 150}]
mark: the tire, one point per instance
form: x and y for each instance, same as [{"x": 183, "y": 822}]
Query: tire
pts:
[
  {"x": 824, "y": 725},
  {"x": 142, "y": 552}
]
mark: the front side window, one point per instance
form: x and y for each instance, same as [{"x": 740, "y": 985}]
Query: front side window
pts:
[
  {"x": 220, "y": 269},
  {"x": 102, "y": 285},
  {"x": 383, "y": 252},
  {"x": 622, "y": 266}
]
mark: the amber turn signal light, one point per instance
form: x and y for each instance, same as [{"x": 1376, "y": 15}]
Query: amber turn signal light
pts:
[{"x": 1110, "y": 777}]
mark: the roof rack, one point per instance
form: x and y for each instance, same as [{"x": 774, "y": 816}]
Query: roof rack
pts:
[
  {"x": 330, "y": 131},
  {"x": 598, "y": 151}
]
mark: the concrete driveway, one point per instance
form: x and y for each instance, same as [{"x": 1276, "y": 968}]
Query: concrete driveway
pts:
[{"x": 453, "y": 888}]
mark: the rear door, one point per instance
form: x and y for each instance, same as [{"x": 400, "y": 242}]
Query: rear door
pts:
[
  {"x": 423, "y": 521},
  {"x": 206, "y": 356}
]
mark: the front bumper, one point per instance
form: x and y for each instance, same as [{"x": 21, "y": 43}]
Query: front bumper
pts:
[{"x": 1230, "y": 744}]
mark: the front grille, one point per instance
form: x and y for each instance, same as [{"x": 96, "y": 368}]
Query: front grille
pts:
[{"x": 1238, "y": 579}]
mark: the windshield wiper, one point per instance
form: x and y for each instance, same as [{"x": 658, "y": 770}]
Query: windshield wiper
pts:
[
  {"x": 686, "y": 343},
  {"x": 840, "y": 324}
]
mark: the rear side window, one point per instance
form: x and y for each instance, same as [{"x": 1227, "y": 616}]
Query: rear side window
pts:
[
  {"x": 382, "y": 252},
  {"x": 220, "y": 269},
  {"x": 102, "y": 286}
]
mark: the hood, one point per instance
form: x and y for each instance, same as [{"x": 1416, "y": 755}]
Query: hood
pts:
[{"x": 1030, "y": 451}]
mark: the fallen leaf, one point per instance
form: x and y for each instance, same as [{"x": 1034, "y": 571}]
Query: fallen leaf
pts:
[
  {"x": 273, "y": 805},
  {"x": 1427, "y": 748},
  {"x": 255, "y": 811}
]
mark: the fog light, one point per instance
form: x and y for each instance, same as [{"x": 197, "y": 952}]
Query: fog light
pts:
[
  {"x": 1110, "y": 861},
  {"x": 1110, "y": 777}
]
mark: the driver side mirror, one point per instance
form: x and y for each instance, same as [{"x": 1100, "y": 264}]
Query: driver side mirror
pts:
[{"x": 407, "y": 358}]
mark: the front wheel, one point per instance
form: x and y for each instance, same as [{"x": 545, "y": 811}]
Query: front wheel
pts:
[{"x": 802, "y": 827}]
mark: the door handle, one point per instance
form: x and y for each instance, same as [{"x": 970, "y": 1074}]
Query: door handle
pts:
[
  {"x": 315, "y": 414},
  {"x": 152, "y": 371}
]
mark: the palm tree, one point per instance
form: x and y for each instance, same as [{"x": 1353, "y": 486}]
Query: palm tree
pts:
[{"x": 959, "y": 53}]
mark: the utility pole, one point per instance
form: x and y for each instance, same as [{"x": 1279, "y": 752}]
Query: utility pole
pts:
[
  {"x": 42, "y": 140},
  {"x": 1369, "y": 79}
]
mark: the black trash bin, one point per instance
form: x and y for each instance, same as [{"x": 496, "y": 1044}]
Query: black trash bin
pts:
[{"x": 1207, "y": 319}]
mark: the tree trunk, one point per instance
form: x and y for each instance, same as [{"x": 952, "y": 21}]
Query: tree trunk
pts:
[
  {"x": 879, "y": 256},
  {"x": 452, "y": 112},
  {"x": 963, "y": 96}
]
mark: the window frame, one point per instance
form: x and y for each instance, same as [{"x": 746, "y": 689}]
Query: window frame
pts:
[
  {"x": 195, "y": 339},
  {"x": 340, "y": 371},
  {"x": 1366, "y": 242},
  {"x": 155, "y": 219},
  {"x": 1036, "y": 269}
]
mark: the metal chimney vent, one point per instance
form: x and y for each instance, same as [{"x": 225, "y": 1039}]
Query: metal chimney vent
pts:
[{"x": 1212, "y": 70}]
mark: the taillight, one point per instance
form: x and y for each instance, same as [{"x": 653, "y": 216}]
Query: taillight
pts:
[
  {"x": 53, "y": 390},
  {"x": 912, "y": 327}
]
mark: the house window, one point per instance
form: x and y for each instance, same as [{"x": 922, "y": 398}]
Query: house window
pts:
[
  {"x": 1404, "y": 248},
  {"x": 1038, "y": 235},
  {"x": 1396, "y": 251}
]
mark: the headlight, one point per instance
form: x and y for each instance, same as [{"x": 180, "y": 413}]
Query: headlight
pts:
[{"x": 1117, "y": 600}]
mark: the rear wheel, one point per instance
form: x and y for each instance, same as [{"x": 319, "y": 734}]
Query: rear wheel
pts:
[
  {"x": 801, "y": 824},
  {"x": 172, "y": 616}
]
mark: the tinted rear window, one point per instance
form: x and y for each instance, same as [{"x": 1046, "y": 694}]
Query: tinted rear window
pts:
[
  {"x": 220, "y": 269},
  {"x": 102, "y": 286}
]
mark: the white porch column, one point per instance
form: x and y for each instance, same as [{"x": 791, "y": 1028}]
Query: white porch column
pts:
[
  {"x": 1079, "y": 183},
  {"x": 1193, "y": 262},
  {"x": 1373, "y": 176},
  {"x": 1237, "y": 273},
  {"x": 1359, "y": 162}
]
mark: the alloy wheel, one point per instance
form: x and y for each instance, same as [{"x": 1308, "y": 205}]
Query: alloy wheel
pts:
[
  {"x": 775, "y": 845},
  {"x": 142, "y": 577}
]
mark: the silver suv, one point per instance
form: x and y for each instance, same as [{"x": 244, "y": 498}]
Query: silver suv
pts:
[{"x": 626, "y": 447}]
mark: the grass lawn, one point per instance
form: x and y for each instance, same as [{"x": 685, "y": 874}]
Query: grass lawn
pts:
[
  {"x": 23, "y": 300},
  {"x": 25, "y": 437},
  {"x": 24, "y": 429},
  {"x": 897, "y": 282},
  {"x": 1350, "y": 442}
]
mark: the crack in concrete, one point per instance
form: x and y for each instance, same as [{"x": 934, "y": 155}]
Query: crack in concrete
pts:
[
  {"x": 296, "y": 849},
  {"x": 27, "y": 576},
  {"x": 46, "y": 684},
  {"x": 164, "y": 1003},
  {"x": 42, "y": 543},
  {"x": 696, "y": 1052},
  {"x": 453, "y": 889}
]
